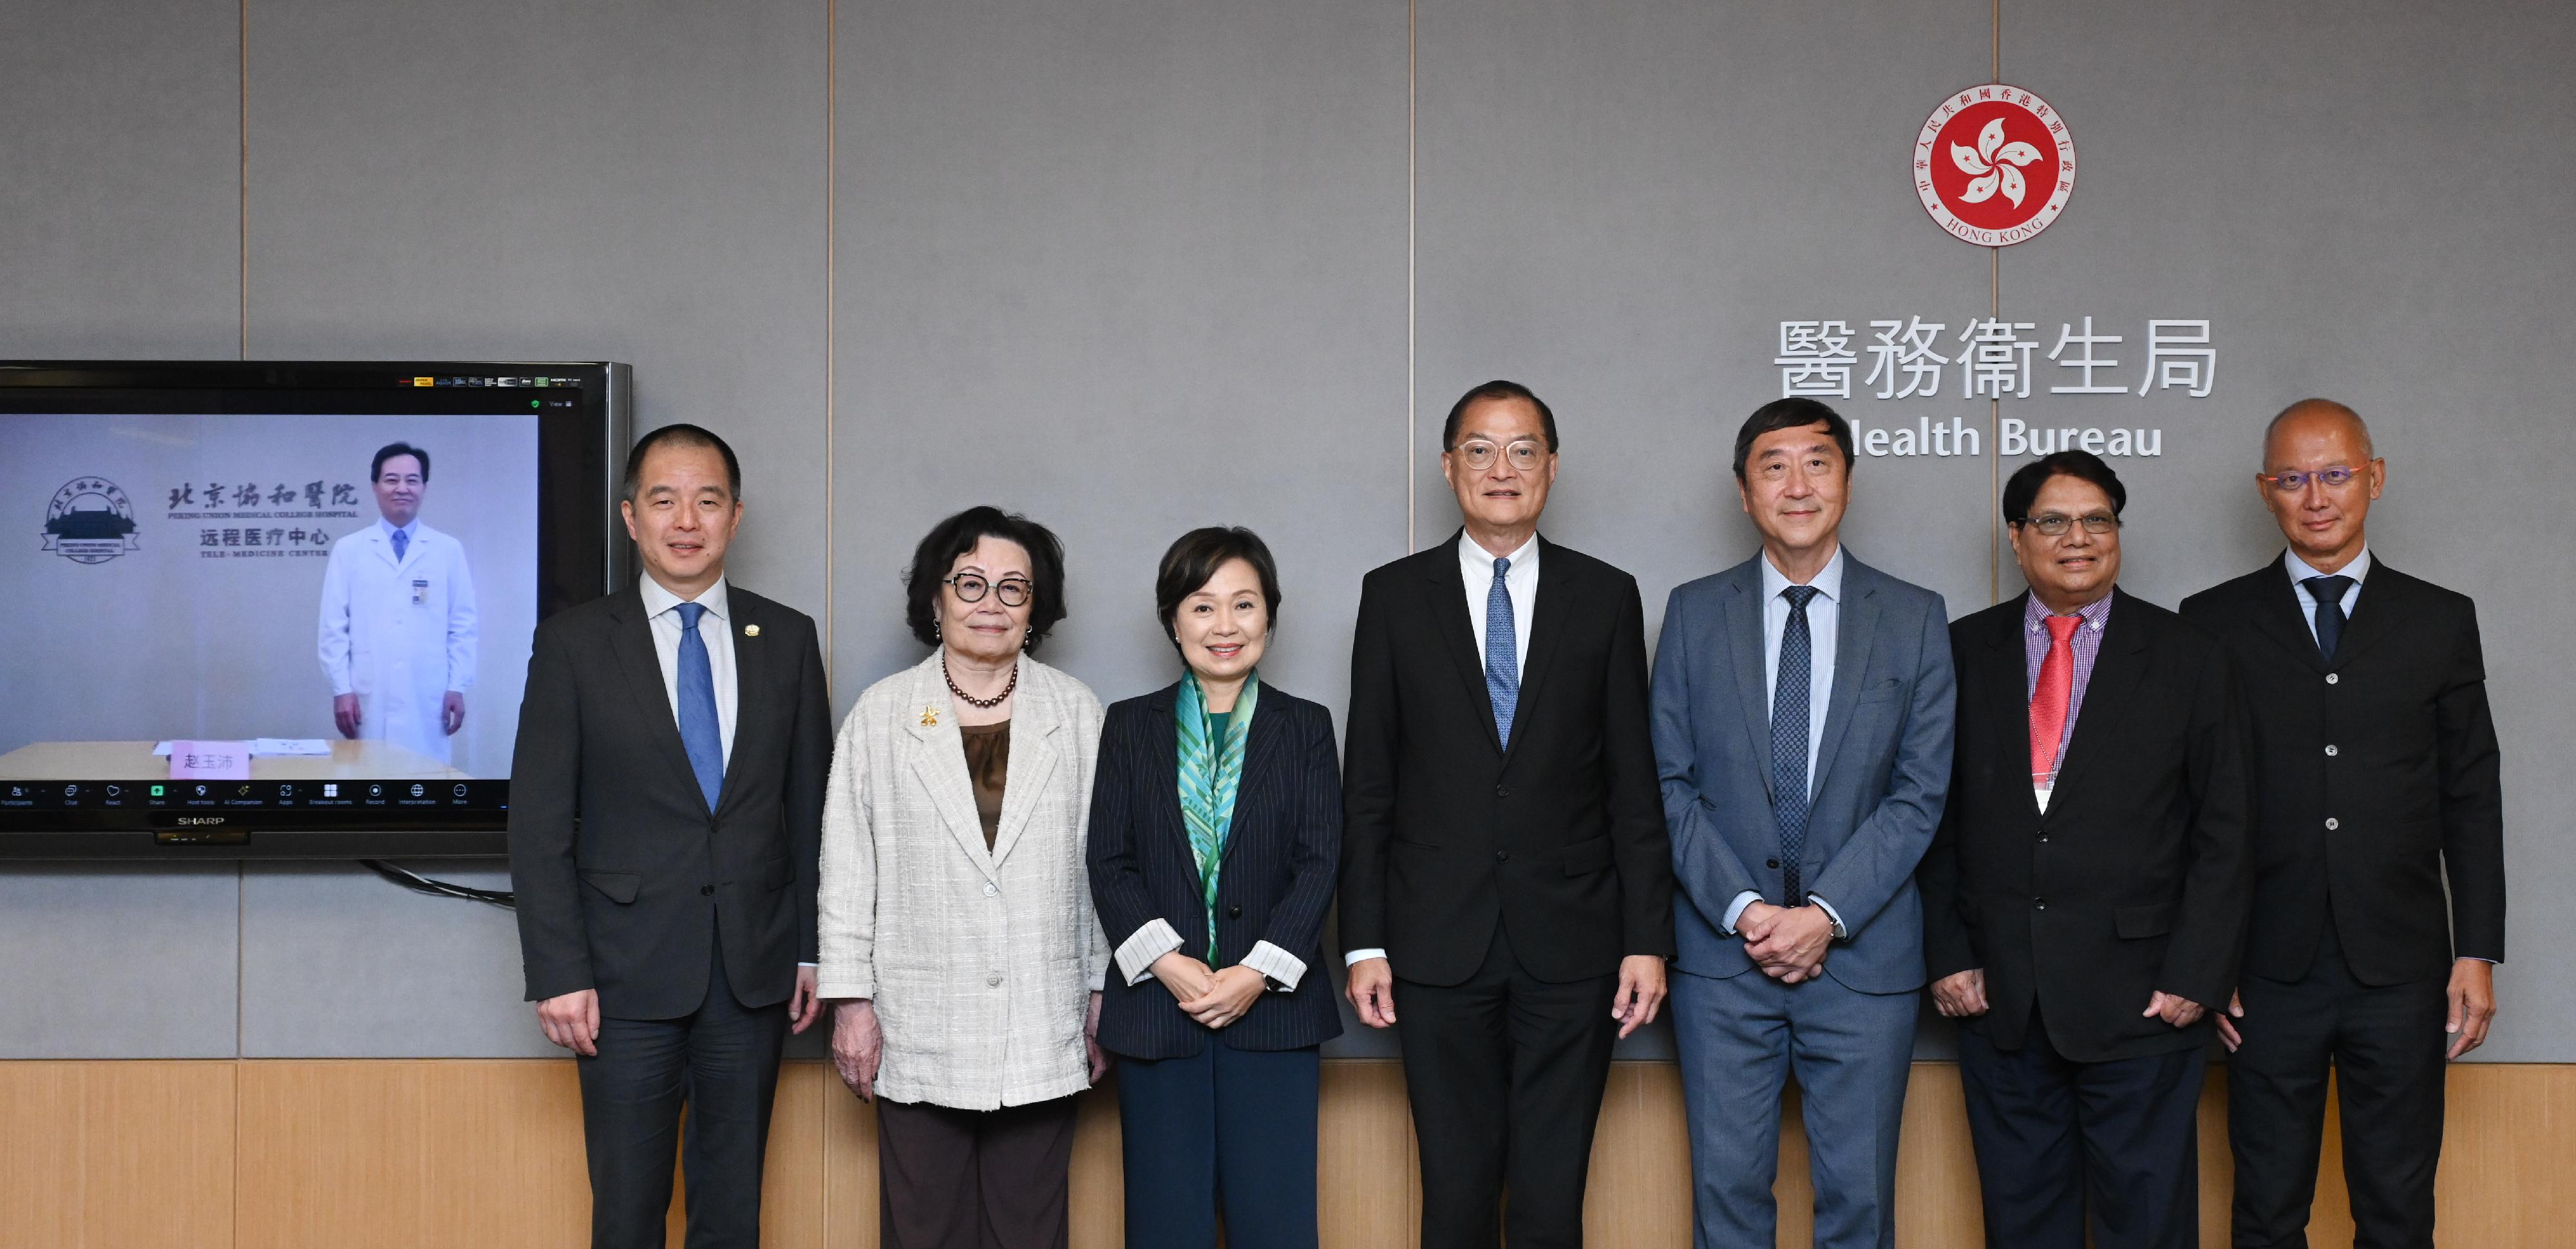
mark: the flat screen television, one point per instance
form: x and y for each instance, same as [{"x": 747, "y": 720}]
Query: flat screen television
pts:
[{"x": 282, "y": 609}]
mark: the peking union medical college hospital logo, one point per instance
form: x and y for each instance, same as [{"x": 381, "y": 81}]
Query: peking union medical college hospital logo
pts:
[{"x": 1994, "y": 165}]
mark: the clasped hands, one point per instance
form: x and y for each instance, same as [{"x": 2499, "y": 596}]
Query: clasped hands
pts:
[
  {"x": 1962, "y": 995},
  {"x": 1787, "y": 942},
  {"x": 1214, "y": 998}
]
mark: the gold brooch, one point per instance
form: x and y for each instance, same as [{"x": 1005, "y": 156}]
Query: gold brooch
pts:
[
  {"x": 929, "y": 716},
  {"x": 751, "y": 631}
]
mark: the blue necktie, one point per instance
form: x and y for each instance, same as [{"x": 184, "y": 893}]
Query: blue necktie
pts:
[
  {"x": 1789, "y": 736},
  {"x": 1502, "y": 663},
  {"x": 699, "y": 732},
  {"x": 402, "y": 543},
  {"x": 2328, "y": 593}
]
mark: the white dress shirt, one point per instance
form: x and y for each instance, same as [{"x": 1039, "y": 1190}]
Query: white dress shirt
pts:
[
  {"x": 2300, "y": 570},
  {"x": 1476, "y": 568},
  {"x": 1824, "y": 625},
  {"x": 715, "y": 628}
]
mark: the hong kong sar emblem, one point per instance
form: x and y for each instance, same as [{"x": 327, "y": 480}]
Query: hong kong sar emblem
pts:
[
  {"x": 1994, "y": 165},
  {"x": 89, "y": 521}
]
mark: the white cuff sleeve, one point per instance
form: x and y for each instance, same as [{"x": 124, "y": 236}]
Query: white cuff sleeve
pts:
[
  {"x": 1137, "y": 954},
  {"x": 1356, "y": 955},
  {"x": 1840, "y": 932},
  {"x": 1276, "y": 963},
  {"x": 1735, "y": 910}
]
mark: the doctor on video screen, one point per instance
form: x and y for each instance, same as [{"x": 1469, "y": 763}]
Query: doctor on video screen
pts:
[{"x": 397, "y": 637}]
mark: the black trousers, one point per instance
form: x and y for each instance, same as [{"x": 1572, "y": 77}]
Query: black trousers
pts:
[
  {"x": 2055, "y": 1137},
  {"x": 1505, "y": 1073},
  {"x": 722, "y": 1062},
  {"x": 974, "y": 1179},
  {"x": 2385, "y": 1046}
]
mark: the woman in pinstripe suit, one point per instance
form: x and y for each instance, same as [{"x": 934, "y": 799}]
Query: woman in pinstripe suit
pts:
[{"x": 1216, "y": 820}]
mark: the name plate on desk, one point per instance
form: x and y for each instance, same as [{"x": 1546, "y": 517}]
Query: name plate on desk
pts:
[{"x": 209, "y": 761}]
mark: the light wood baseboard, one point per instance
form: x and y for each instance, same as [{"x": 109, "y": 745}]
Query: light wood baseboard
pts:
[{"x": 477, "y": 1154}]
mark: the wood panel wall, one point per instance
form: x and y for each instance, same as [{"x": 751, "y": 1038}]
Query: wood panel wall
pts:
[{"x": 487, "y": 1154}]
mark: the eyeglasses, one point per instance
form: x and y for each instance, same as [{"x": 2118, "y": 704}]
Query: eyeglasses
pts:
[
  {"x": 1478, "y": 454},
  {"x": 970, "y": 589},
  {"x": 2055, "y": 525},
  {"x": 2294, "y": 480}
]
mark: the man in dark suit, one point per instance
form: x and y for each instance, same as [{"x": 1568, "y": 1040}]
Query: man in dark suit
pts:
[
  {"x": 1505, "y": 860},
  {"x": 2375, "y": 781},
  {"x": 2084, "y": 901},
  {"x": 666, "y": 812}
]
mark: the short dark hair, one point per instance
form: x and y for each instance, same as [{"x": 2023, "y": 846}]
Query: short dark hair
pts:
[
  {"x": 376, "y": 470},
  {"x": 1193, "y": 560},
  {"x": 681, "y": 435},
  {"x": 1782, "y": 414},
  {"x": 956, "y": 536},
  {"x": 1497, "y": 389},
  {"x": 2022, "y": 487}
]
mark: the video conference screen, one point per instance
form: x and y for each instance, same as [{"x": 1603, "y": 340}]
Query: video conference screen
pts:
[{"x": 309, "y": 599}]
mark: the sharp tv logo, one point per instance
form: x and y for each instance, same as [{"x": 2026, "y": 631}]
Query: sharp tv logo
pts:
[
  {"x": 1994, "y": 165},
  {"x": 89, "y": 521}
]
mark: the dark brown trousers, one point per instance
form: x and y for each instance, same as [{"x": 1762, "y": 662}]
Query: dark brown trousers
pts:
[{"x": 974, "y": 1179}]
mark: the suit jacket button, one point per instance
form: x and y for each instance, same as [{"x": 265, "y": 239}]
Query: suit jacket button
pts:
[
  {"x": 2330, "y": 752},
  {"x": 2333, "y": 678},
  {"x": 1234, "y": 912},
  {"x": 1502, "y": 791},
  {"x": 2332, "y": 823},
  {"x": 2039, "y": 903},
  {"x": 1770, "y": 862},
  {"x": 990, "y": 889},
  {"x": 1502, "y": 856},
  {"x": 706, "y": 891},
  {"x": 992, "y": 982}
]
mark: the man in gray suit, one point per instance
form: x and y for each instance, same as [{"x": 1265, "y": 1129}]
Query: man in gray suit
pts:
[{"x": 1802, "y": 705}]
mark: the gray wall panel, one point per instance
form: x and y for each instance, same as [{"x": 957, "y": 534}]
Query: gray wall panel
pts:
[
  {"x": 339, "y": 963},
  {"x": 1130, "y": 268},
  {"x": 1618, "y": 207},
  {"x": 121, "y": 202},
  {"x": 573, "y": 180},
  {"x": 101, "y": 961},
  {"x": 2372, "y": 202}
]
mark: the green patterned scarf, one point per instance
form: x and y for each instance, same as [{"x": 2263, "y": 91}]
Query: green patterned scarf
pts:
[{"x": 1211, "y": 771}]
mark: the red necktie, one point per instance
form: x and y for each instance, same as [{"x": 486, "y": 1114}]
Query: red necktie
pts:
[{"x": 2048, "y": 701}]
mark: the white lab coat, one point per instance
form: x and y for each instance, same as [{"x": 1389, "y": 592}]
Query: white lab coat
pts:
[{"x": 399, "y": 636}]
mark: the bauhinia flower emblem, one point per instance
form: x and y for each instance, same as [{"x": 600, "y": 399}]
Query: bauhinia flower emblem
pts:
[{"x": 1993, "y": 165}]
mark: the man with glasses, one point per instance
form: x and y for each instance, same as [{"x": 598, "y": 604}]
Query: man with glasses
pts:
[
  {"x": 2376, "y": 782},
  {"x": 2085, "y": 899},
  {"x": 1505, "y": 872},
  {"x": 1802, "y": 733}
]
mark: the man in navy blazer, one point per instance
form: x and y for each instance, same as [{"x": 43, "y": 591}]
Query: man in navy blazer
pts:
[{"x": 1802, "y": 713}]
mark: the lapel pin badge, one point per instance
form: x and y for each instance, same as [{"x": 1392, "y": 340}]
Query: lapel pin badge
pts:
[
  {"x": 929, "y": 716},
  {"x": 751, "y": 631}
]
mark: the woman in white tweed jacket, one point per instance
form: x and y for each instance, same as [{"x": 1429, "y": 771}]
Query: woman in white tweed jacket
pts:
[{"x": 956, "y": 925}]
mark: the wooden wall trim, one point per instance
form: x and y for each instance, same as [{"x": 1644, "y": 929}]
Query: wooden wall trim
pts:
[{"x": 428, "y": 1154}]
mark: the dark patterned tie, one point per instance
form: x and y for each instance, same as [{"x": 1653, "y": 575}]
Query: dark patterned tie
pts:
[
  {"x": 2328, "y": 593},
  {"x": 1502, "y": 658},
  {"x": 1789, "y": 735}
]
